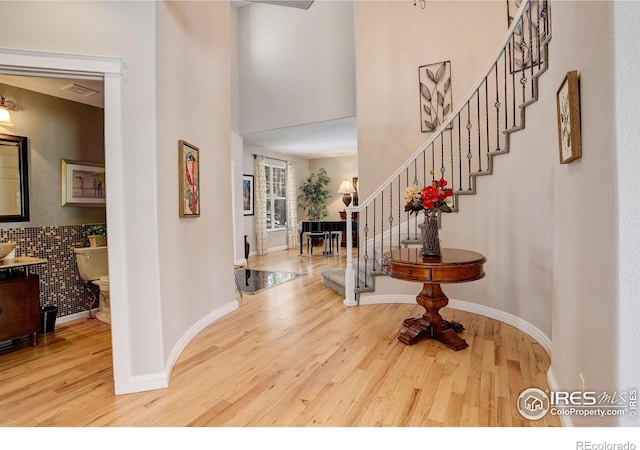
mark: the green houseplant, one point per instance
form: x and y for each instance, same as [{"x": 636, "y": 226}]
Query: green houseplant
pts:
[
  {"x": 314, "y": 195},
  {"x": 97, "y": 235}
]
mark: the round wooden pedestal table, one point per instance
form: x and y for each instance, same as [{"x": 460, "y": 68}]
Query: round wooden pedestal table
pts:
[{"x": 452, "y": 266}]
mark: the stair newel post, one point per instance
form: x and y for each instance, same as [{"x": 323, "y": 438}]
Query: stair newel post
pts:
[{"x": 349, "y": 273}]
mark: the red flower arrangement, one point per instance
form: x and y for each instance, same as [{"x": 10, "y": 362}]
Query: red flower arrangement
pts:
[{"x": 429, "y": 199}]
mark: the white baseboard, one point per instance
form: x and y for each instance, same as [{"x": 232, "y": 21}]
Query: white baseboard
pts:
[
  {"x": 143, "y": 383},
  {"x": 76, "y": 316},
  {"x": 507, "y": 318},
  {"x": 160, "y": 380},
  {"x": 148, "y": 382},
  {"x": 272, "y": 249},
  {"x": 194, "y": 330},
  {"x": 372, "y": 299},
  {"x": 566, "y": 421},
  {"x": 486, "y": 311}
]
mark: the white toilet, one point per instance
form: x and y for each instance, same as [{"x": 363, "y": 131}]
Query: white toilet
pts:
[{"x": 93, "y": 265}]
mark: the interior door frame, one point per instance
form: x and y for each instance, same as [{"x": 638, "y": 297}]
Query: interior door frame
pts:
[{"x": 110, "y": 70}]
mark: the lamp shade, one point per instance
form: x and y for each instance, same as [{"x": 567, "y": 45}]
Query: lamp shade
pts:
[
  {"x": 346, "y": 187},
  {"x": 5, "y": 118}
]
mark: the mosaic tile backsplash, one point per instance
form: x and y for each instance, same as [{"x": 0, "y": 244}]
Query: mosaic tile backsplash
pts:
[{"x": 60, "y": 282}]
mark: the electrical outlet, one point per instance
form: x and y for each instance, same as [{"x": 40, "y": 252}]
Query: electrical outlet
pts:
[{"x": 581, "y": 381}]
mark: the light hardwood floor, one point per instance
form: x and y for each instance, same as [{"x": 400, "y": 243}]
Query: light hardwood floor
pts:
[{"x": 292, "y": 355}]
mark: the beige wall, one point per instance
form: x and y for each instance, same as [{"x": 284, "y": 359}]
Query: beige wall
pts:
[
  {"x": 196, "y": 254},
  {"x": 552, "y": 260},
  {"x": 87, "y": 28},
  {"x": 585, "y": 297},
  {"x": 297, "y": 65},
  {"x": 151, "y": 325},
  {"x": 549, "y": 231},
  {"x": 338, "y": 169},
  {"x": 276, "y": 240},
  {"x": 627, "y": 97},
  {"x": 513, "y": 231},
  {"x": 55, "y": 129},
  {"x": 392, "y": 40}
]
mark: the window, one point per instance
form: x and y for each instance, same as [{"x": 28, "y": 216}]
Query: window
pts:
[{"x": 276, "y": 198}]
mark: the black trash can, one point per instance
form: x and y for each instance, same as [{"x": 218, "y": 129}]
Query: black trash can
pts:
[{"x": 48, "y": 316}]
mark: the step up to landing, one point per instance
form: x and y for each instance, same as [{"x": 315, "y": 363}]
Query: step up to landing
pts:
[{"x": 334, "y": 280}]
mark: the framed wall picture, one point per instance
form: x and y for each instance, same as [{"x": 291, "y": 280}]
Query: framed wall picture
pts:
[
  {"x": 247, "y": 195},
  {"x": 568, "y": 103},
  {"x": 189, "y": 179},
  {"x": 82, "y": 183}
]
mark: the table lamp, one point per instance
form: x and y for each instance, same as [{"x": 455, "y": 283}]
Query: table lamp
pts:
[{"x": 346, "y": 189}]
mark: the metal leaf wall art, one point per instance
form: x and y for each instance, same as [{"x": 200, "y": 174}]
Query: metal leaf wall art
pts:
[{"x": 435, "y": 94}]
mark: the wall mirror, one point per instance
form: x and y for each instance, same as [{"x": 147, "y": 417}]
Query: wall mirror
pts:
[{"x": 14, "y": 179}]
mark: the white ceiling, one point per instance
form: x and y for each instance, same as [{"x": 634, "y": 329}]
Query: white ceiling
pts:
[
  {"x": 54, "y": 87},
  {"x": 326, "y": 139},
  {"x": 291, "y": 3},
  {"x": 331, "y": 138}
]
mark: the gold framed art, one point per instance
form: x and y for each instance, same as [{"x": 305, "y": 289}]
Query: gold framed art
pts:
[
  {"x": 189, "y": 179},
  {"x": 82, "y": 183},
  {"x": 568, "y": 105}
]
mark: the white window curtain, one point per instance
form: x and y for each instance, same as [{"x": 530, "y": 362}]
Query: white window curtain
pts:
[
  {"x": 292, "y": 206},
  {"x": 260, "y": 213}
]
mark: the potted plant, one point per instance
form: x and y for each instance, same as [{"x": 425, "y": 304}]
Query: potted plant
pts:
[
  {"x": 97, "y": 235},
  {"x": 313, "y": 198}
]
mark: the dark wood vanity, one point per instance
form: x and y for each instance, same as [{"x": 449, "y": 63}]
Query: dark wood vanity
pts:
[
  {"x": 19, "y": 289},
  {"x": 19, "y": 299}
]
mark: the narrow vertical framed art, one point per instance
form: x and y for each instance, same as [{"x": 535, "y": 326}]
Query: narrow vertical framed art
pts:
[
  {"x": 247, "y": 195},
  {"x": 189, "y": 179},
  {"x": 568, "y": 104}
]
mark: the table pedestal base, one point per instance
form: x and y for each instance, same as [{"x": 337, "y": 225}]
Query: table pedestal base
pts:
[{"x": 431, "y": 324}]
